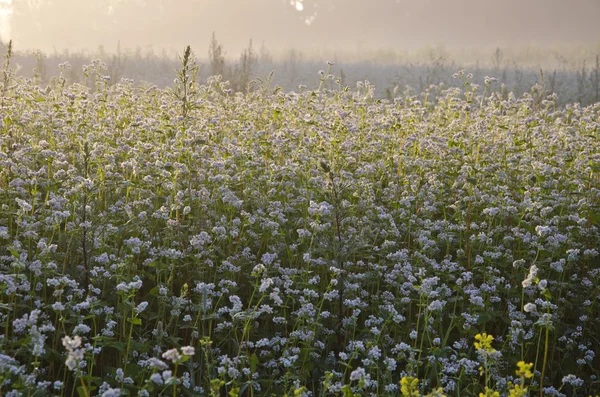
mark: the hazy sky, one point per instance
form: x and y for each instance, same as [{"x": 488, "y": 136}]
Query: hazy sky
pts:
[{"x": 303, "y": 24}]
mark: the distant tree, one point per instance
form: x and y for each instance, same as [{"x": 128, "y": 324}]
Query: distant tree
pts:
[
  {"x": 216, "y": 57},
  {"x": 243, "y": 71}
]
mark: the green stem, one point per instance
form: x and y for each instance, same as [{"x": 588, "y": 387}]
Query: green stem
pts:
[{"x": 545, "y": 358}]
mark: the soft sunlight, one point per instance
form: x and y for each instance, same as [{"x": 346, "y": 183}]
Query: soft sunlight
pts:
[
  {"x": 5, "y": 11},
  {"x": 299, "y": 198}
]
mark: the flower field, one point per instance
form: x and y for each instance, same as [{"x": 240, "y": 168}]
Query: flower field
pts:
[{"x": 192, "y": 241}]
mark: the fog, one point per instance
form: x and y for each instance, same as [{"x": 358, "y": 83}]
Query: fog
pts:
[{"x": 307, "y": 25}]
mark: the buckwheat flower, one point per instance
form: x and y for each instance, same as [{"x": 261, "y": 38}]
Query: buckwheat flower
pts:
[
  {"x": 237, "y": 304},
  {"x": 71, "y": 343},
  {"x": 374, "y": 353},
  {"x": 265, "y": 284},
  {"x": 38, "y": 339},
  {"x": 542, "y": 230},
  {"x": 25, "y": 206},
  {"x": 530, "y": 277},
  {"x": 258, "y": 269},
  {"x": 171, "y": 355},
  {"x": 58, "y": 306},
  {"x": 530, "y": 307},
  {"x": 156, "y": 378},
  {"x": 268, "y": 258},
  {"x": 154, "y": 362},
  {"x": 200, "y": 240},
  {"x": 572, "y": 254},
  {"x": 141, "y": 307},
  {"x": 558, "y": 265},
  {"x": 572, "y": 380},
  {"x": 358, "y": 374},
  {"x": 274, "y": 295},
  {"x": 188, "y": 351},
  {"x": 185, "y": 380},
  {"x": 112, "y": 393},
  {"x": 71, "y": 361},
  {"x": 58, "y": 385},
  {"x": 477, "y": 300},
  {"x": 390, "y": 363},
  {"x": 81, "y": 329},
  {"x": 413, "y": 334},
  {"x": 436, "y": 305}
]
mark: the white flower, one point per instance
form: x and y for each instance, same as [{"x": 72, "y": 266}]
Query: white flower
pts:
[
  {"x": 141, "y": 307},
  {"x": 71, "y": 343},
  {"x": 542, "y": 230},
  {"x": 357, "y": 374},
  {"x": 258, "y": 269},
  {"x": 188, "y": 351},
  {"x": 436, "y": 305},
  {"x": 530, "y": 307},
  {"x": 112, "y": 393},
  {"x": 265, "y": 284},
  {"x": 530, "y": 277},
  {"x": 25, "y": 206},
  {"x": 71, "y": 362},
  {"x": 172, "y": 355},
  {"x": 156, "y": 378}
]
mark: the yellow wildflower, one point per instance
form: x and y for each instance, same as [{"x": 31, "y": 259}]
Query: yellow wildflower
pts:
[
  {"x": 409, "y": 386},
  {"x": 489, "y": 393},
  {"x": 524, "y": 369},
  {"x": 517, "y": 391},
  {"x": 484, "y": 342}
]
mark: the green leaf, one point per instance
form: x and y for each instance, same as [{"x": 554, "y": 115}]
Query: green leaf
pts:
[
  {"x": 547, "y": 294},
  {"x": 135, "y": 321},
  {"x": 132, "y": 370},
  {"x": 253, "y": 362},
  {"x": 484, "y": 317},
  {"x": 119, "y": 346}
]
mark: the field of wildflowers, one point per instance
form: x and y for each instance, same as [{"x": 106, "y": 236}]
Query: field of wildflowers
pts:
[{"x": 195, "y": 241}]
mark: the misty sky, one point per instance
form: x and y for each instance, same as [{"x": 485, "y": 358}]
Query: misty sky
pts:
[{"x": 349, "y": 25}]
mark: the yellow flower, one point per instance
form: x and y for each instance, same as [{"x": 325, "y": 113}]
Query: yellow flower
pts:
[
  {"x": 489, "y": 392},
  {"x": 517, "y": 391},
  {"x": 437, "y": 393},
  {"x": 409, "y": 386},
  {"x": 484, "y": 342},
  {"x": 524, "y": 369}
]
